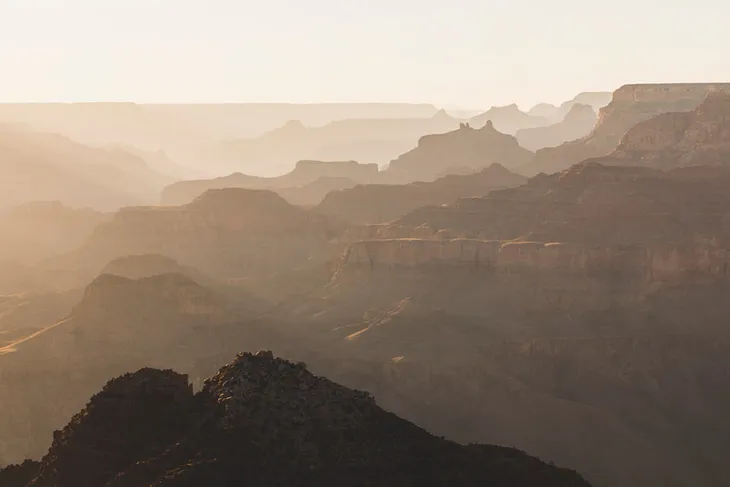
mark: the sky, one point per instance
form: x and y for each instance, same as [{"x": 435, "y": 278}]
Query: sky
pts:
[{"x": 455, "y": 53}]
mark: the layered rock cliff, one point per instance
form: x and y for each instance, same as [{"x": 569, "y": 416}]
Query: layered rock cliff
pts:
[
  {"x": 669, "y": 140},
  {"x": 465, "y": 147},
  {"x": 292, "y": 427},
  {"x": 630, "y": 105},
  {"x": 377, "y": 203},
  {"x": 304, "y": 173}
]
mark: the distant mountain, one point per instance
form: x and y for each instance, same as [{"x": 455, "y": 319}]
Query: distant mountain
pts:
[
  {"x": 306, "y": 184},
  {"x": 578, "y": 123},
  {"x": 378, "y": 203},
  {"x": 364, "y": 140},
  {"x": 148, "y": 428},
  {"x": 464, "y": 147},
  {"x": 508, "y": 119},
  {"x": 48, "y": 167}
]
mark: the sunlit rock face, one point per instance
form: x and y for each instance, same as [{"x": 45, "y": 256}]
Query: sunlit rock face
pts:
[{"x": 630, "y": 105}]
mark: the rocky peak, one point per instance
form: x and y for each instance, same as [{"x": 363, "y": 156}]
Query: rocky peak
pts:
[
  {"x": 264, "y": 421},
  {"x": 256, "y": 388},
  {"x": 113, "y": 432}
]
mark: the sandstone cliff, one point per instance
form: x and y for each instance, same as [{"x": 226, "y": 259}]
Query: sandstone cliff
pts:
[
  {"x": 630, "y": 105},
  {"x": 465, "y": 147},
  {"x": 669, "y": 140},
  {"x": 293, "y": 428},
  {"x": 304, "y": 173},
  {"x": 578, "y": 122},
  {"x": 377, "y": 203}
]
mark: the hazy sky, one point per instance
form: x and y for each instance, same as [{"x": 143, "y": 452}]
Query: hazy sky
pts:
[{"x": 470, "y": 53}]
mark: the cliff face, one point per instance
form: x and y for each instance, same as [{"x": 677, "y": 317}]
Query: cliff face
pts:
[
  {"x": 292, "y": 427},
  {"x": 578, "y": 122},
  {"x": 630, "y": 105},
  {"x": 382, "y": 203},
  {"x": 305, "y": 173},
  {"x": 228, "y": 232},
  {"x": 697, "y": 137},
  {"x": 465, "y": 147}
]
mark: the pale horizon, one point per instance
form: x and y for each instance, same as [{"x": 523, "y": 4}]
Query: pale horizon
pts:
[{"x": 468, "y": 55}]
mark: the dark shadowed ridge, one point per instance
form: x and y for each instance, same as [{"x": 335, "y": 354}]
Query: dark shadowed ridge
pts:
[{"x": 262, "y": 421}]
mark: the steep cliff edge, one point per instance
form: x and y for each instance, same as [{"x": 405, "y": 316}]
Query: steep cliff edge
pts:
[
  {"x": 465, "y": 147},
  {"x": 382, "y": 203},
  {"x": 291, "y": 427},
  {"x": 630, "y": 105},
  {"x": 676, "y": 139}
]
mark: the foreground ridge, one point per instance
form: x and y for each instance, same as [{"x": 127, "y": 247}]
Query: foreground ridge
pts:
[{"x": 261, "y": 421}]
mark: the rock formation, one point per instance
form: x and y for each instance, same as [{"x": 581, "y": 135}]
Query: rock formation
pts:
[
  {"x": 225, "y": 232},
  {"x": 675, "y": 139},
  {"x": 293, "y": 184},
  {"x": 630, "y": 105},
  {"x": 508, "y": 119},
  {"x": 465, "y": 147},
  {"x": 578, "y": 122},
  {"x": 378, "y": 203},
  {"x": 292, "y": 428}
]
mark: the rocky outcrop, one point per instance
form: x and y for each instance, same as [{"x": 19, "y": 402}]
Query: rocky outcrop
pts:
[
  {"x": 292, "y": 427},
  {"x": 134, "y": 417},
  {"x": 465, "y": 147},
  {"x": 19, "y": 475},
  {"x": 227, "y": 232},
  {"x": 291, "y": 184},
  {"x": 378, "y": 203},
  {"x": 630, "y": 105},
  {"x": 148, "y": 265},
  {"x": 669, "y": 140},
  {"x": 35, "y": 231},
  {"x": 508, "y": 119},
  {"x": 578, "y": 122}
]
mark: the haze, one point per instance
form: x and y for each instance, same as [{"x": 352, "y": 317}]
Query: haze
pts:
[
  {"x": 393, "y": 244},
  {"x": 464, "y": 53}
]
